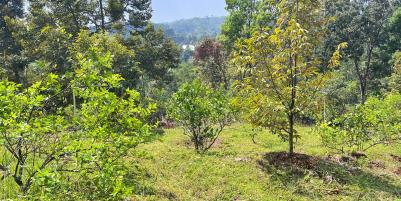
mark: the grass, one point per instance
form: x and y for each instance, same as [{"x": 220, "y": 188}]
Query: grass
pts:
[{"x": 234, "y": 170}]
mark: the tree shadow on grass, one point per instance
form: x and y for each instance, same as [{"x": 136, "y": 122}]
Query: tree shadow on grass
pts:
[
  {"x": 149, "y": 190},
  {"x": 293, "y": 169},
  {"x": 158, "y": 133}
]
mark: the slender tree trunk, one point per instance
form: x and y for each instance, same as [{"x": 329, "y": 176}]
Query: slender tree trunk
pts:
[
  {"x": 17, "y": 76},
  {"x": 363, "y": 91},
  {"x": 324, "y": 109},
  {"x": 363, "y": 74},
  {"x": 291, "y": 115},
  {"x": 102, "y": 15},
  {"x": 362, "y": 81},
  {"x": 74, "y": 102},
  {"x": 291, "y": 134}
]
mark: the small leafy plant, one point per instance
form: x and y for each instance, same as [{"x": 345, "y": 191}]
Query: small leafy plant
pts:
[{"x": 202, "y": 112}]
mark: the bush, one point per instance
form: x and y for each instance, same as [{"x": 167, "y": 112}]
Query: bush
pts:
[
  {"x": 202, "y": 112},
  {"x": 51, "y": 152},
  {"x": 376, "y": 122}
]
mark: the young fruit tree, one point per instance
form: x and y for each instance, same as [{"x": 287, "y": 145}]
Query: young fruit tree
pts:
[
  {"x": 376, "y": 122},
  {"x": 47, "y": 147},
  {"x": 202, "y": 112},
  {"x": 285, "y": 78}
]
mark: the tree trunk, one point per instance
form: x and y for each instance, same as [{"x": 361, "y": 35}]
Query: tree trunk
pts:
[
  {"x": 363, "y": 91},
  {"x": 363, "y": 74},
  {"x": 102, "y": 15},
  {"x": 294, "y": 82},
  {"x": 291, "y": 115},
  {"x": 74, "y": 101},
  {"x": 362, "y": 81},
  {"x": 17, "y": 77},
  {"x": 291, "y": 134}
]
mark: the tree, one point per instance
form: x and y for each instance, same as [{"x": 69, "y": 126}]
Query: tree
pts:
[
  {"x": 362, "y": 25},
  {"x": 209, "y": 54},
  {"x": 393, "y": 26},
  {"x": 245, "y": 16},
  {"x": 97, "y": 15},
  {"x": 285, "y": 80},
  {"x": 394, "y": 47},
  {"x": 124, "y": 61},
  {"x": 202, "y": 112},
  {"x": 395, "y": 78},
  {"x": 10, "y": 55},
  {"x": 52, "y": 26},
  {"x": 156, "y": 54}
]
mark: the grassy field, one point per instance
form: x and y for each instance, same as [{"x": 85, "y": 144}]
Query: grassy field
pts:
[{"x": 236, "y": 169}]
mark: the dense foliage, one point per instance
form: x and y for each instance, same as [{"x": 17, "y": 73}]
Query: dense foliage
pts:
[
  {"x": 210, "y": 56},
  {"x": 246, "y": 16},
  {"x": 71, "y": 147},
  {"x": 374, "y": 123}
]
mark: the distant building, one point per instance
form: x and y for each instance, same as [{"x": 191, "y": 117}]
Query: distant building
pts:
[{"x": 189, "y": 47}]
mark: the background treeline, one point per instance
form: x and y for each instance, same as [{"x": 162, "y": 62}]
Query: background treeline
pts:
[{"x": 85, "y": 82}]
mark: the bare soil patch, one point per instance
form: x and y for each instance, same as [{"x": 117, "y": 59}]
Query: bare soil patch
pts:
[
  {"x": 396, "y": 158},
  {"x": 398, "y": 171},
  {"x": 376, "y": 164},
  {"x": 297, "y": 166},
  {"x": 295, "y": 161},
  {"x": 293, "y": 168}
]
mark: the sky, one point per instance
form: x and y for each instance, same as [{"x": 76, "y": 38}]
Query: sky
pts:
[{"x": 172, "y": 10}]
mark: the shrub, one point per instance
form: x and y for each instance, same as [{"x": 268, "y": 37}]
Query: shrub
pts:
[
  {"x": 202, "y": 112},
  {"x": 51, "y": 153},
  {"x": 376, "y": 122}
]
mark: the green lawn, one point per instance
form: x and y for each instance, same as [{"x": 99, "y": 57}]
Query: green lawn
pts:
[{"x": 233, "y": 170}]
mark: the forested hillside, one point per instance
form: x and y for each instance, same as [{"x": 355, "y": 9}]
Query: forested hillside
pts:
[
  {"x": 286, "y": 100},
  {"x": 190, "y": 31}
]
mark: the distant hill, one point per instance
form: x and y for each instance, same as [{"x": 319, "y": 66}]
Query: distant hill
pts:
[{"x": 190, "y": 31}]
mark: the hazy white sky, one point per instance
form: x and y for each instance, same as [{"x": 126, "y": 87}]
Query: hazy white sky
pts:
[{"x": 171, "y": 10}]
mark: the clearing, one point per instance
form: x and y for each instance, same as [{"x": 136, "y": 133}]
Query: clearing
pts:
[{"x": 238, "y": 169}]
